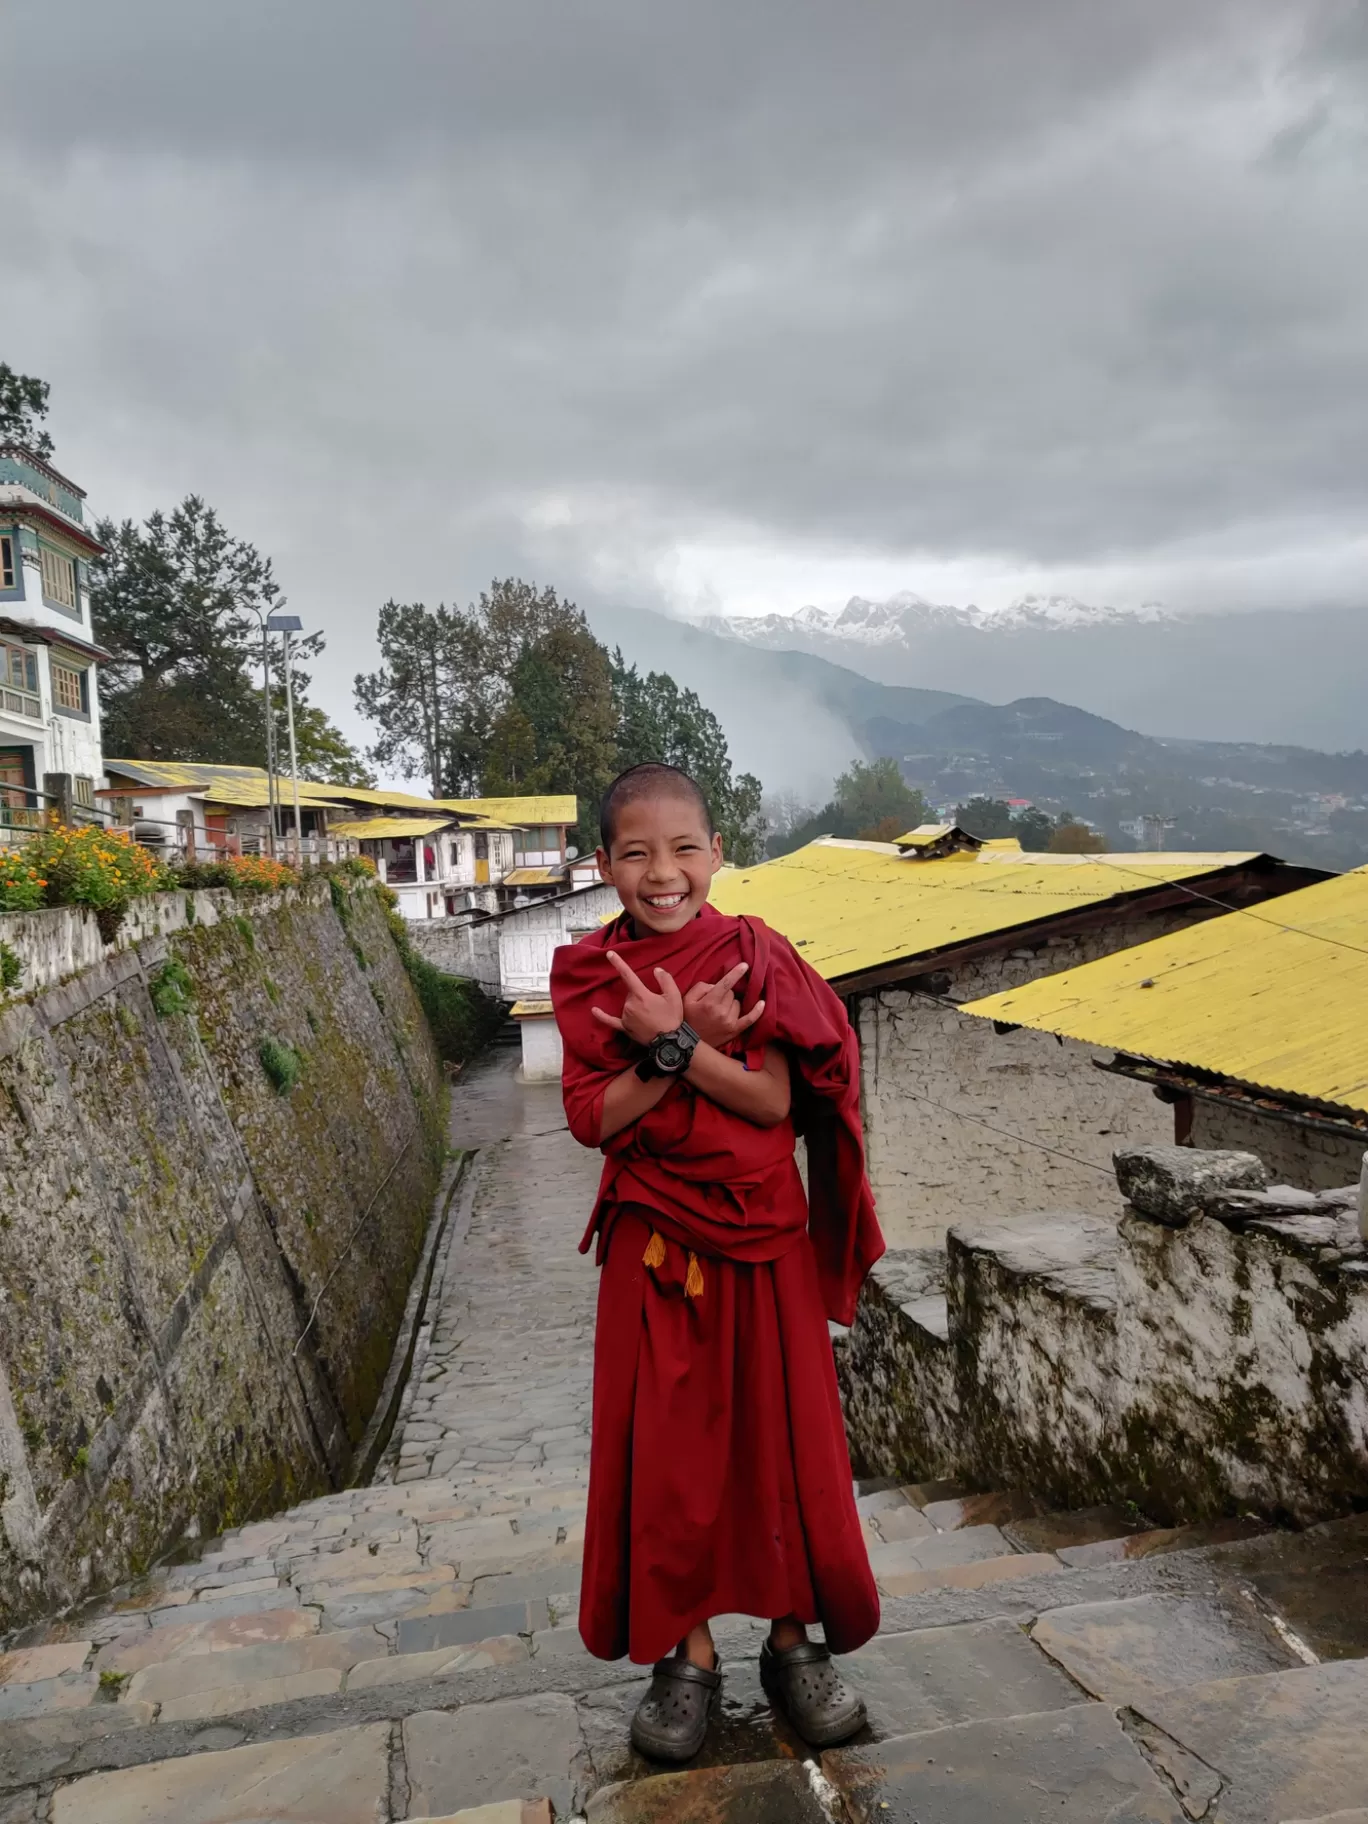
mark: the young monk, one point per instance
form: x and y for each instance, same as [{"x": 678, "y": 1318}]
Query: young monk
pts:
[{"x": 696, "y": 1048}]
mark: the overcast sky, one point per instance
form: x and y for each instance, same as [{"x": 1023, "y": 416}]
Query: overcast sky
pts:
[{"x": 730, "y": 304}]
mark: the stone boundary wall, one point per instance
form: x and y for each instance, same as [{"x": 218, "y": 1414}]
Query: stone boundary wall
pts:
[
  {"x": 1198, "y": 1370},
  {"x": 460, "y": 946},
  {"x": 1316, "y": 1157},
  {"x": 203, "y": 1262},
  {"x": 919, "y": 1059}
]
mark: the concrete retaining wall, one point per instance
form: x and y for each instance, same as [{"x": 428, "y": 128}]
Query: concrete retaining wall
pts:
[
  {"x": 1216, "y": 1368},
  {"x": 202, "y": 1268}
]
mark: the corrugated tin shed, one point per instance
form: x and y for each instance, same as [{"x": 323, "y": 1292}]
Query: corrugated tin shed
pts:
[
  {"x": 854, "y": 908},
  {"x": 1275, "y": 997}
]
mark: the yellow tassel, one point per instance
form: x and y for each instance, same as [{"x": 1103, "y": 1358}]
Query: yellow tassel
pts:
[
  {"x": 693, "y": 1285},
  {"x": 655, "y": 1251}
]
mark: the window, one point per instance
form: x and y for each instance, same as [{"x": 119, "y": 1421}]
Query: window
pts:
[
  {"x": 85, "y": 794},
  {"x": 68, "y": 688},
  {"x": 7, "y": 576},
  {"x": 59, "y": 577},
  {"x": 21, "y": 668},
  {"x": 19, "y": 682}
]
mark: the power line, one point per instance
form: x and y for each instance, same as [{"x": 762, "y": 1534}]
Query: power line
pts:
[
  {"x": 1005, "y": 1133},
  {"x": 1278, "y": 924}
]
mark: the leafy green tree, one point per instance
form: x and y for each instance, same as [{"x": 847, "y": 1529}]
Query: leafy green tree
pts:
[
  {"x": 873, "y": 796},
  {"x": 23, "y": 407},
  {"x": 1074, "y": 838},
  {"x": 872, "y": 802},
  {"x": 426, "y": 696},
  {"x": 173, "y": 602},
  {"x": 176, "y": 603},
  {"x": 993, "y": 819},
  {"x": 656, "y": 720}
]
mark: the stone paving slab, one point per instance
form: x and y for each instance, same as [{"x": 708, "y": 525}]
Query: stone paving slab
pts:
[
  {"x": 466, "y": 1625},
  {"x": 1055, "y": 1532},
  {"x": 939, "y": 1676},
  {"x": 29, "y": 1665},
  {"x": 971, "y": 1576},
  {"x": 1287, "y": 1745},
  {"x": 222, "y": 1634},
  {"x": 339, "y": 1778},
  {"x": 936, "y": 1550},
  {"x": 1160, "y": 1540},
  {"x": 193, "y": 1673},
  {"x": 232, "y": 1700},
  {"x": 72, "y": 1692},
  {"x": 1066, "y": 1767},
  {"x": 505, "y": 1811},
  {"x": 1126, "y": 1651},
  {"x": 760, "y": 1792},
  {"x": 524, "y": 1748},
  {"x": 442, "y": 1662}
]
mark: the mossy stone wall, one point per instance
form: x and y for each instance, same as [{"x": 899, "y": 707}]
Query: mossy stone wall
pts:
[{"x": 201, "y": 1274}]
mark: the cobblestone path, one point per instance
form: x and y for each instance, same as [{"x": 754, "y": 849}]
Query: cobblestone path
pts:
[
  {"x": 505, "y": 1374},
  {"x": 407, "y": 1651}
]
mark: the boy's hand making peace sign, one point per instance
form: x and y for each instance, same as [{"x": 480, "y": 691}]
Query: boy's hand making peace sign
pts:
[{"x": 645, "y": 1015}]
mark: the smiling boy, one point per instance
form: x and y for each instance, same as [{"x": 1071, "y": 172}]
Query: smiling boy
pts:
[{"x": 697, "y": 1047}]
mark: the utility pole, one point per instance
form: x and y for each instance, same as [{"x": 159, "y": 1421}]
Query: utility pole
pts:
[
  {"x": 270, "y": 733},
  {"x": 285, "y": 625}
]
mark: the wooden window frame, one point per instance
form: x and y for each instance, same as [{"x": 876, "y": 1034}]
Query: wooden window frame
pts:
[
  {"x": 48, "y": 561},
  {"x": 81, "y": 706}
]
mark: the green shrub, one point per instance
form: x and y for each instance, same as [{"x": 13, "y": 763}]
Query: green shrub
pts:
[
  {"x": 171, "y": 989},
  {"x": 10, "y": 966},
  {"x": 282, "y": 1064},
  {"x": 461, "y": 1015}
]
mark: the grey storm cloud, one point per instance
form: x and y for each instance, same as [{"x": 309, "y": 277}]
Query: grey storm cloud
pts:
[{"x": 421, "y": 292}]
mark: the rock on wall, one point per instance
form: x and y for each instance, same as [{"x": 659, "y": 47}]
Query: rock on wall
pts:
[
  {"x": 944, "y": 1094},
  {"x": 1315, "y": 1158},
  {"x": 203, "y": 1261},
  {"x": 1199, "y": 1370}
]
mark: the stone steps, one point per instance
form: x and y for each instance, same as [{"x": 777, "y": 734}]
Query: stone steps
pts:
[
  {"x": 408, "y": 1651},
  {"x": 259, "y": 1641}
]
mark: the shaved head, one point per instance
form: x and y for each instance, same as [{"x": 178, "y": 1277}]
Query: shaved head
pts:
[{"x": 653, "y": 779}]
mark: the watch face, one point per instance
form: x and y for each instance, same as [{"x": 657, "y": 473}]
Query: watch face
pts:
[{"x": 670, "y": 1056}]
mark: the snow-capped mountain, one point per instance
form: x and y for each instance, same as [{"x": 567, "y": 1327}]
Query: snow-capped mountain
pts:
[{"x": 907, "y": 617}]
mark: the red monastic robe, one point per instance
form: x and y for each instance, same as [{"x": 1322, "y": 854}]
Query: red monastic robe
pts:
[{"x": 719, "y": 1478}]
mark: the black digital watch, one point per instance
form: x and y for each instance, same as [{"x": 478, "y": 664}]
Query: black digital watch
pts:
[{"x": 668, "y": 1054}]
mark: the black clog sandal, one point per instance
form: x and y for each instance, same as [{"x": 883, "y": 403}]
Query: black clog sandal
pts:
[{"x": 672, "y": 1719}]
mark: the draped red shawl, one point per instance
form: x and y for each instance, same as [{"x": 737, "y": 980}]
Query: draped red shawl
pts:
[{"x": 722, "y": 1185}]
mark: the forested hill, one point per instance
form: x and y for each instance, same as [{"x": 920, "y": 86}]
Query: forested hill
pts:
[{"x": 797, "y": 720}]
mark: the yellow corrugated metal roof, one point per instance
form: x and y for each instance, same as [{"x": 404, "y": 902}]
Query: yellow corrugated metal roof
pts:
[
  {"x": 1275, "y": 997},
  {"x": 855, "y": 907},
  {"x": 375, "y": 829},
  {"x": 516, "y": 813},
  {"x": 533, "y": 877},
  {"x": 530, "y": 1010}
]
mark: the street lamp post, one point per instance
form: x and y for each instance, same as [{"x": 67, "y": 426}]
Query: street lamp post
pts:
[{"x": 285, "y": 625}]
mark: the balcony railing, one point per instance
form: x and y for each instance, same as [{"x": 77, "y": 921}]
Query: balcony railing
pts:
[{"x": 20, "y": 703}]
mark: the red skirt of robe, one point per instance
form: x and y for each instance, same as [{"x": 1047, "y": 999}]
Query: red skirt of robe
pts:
[{"x": 719, "y": 1478}]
